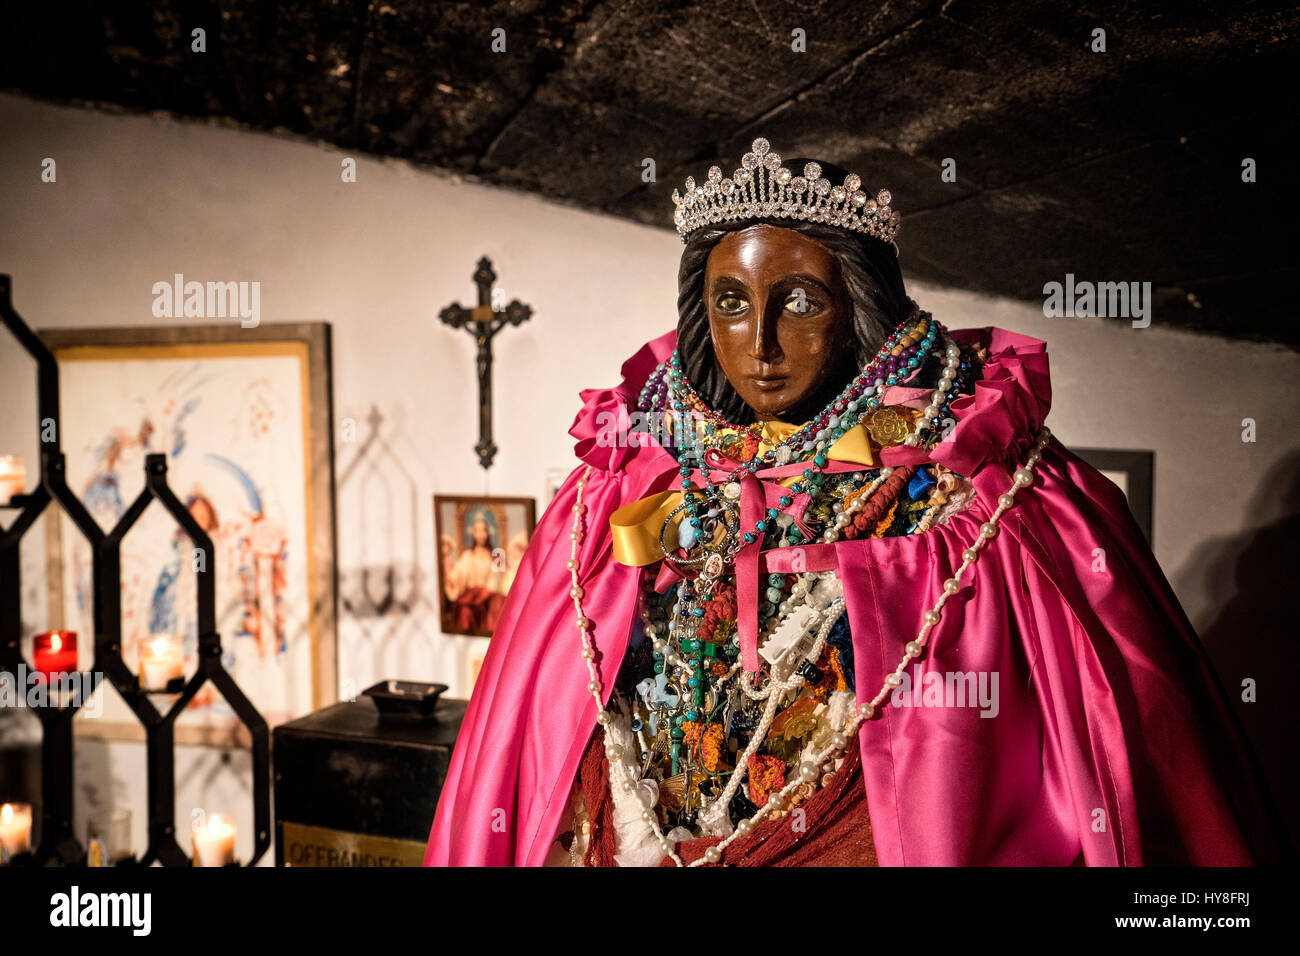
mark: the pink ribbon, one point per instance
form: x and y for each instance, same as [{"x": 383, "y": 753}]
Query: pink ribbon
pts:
[{"x": 760, "y": 491}]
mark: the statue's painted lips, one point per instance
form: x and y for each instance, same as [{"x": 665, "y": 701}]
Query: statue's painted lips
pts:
[{"x": 768, "y": 384}]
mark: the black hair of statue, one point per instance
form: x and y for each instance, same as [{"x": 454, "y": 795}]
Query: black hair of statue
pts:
[{"x": 868, "y": 267}]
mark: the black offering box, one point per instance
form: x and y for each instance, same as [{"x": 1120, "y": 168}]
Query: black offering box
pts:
[{"x": 356, "y": 783}]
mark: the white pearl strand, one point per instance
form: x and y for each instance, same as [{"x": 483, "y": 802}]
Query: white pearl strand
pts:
[
  {"x": 940, "y": 395},
  {"x": 627, "y": 776},
  {"x": 839, "y": 743}
]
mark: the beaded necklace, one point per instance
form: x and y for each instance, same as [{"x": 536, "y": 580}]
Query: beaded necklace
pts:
[
  {"x": 701, "y": 667},
  {"x": 714, "y": 510},
  {"x": 684, "y": 648}
]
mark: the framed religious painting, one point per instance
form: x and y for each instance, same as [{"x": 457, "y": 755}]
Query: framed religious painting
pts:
[
  {"x": 1134, "y": 473},
  {"x": 481, "y": 541},
  {"x": 244, "y": 418}
]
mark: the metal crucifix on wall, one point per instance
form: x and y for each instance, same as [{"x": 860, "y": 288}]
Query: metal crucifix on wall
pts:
[{"x": 483, "y": 322}]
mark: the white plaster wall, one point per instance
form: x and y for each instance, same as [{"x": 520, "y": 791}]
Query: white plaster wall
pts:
[{"x": 139, "y": 198}]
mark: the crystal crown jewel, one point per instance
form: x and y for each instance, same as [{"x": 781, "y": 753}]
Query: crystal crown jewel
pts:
[{"x": 764, "y": 189}]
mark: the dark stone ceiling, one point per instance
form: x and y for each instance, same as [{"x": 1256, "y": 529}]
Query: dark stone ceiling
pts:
[{"x": 1116, "y": 166}]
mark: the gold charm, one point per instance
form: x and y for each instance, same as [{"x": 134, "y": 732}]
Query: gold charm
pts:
[
  {"x": 887, "y": 427},
  {"x": 732, "y": 446},
  {"x": 799, "y": 726},
  {"x": 674, "y": 793},
  {"x": 799, "y": 714}
]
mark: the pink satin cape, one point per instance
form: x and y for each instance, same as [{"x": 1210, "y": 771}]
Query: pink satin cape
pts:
[{"x": 1112, "y": 745}]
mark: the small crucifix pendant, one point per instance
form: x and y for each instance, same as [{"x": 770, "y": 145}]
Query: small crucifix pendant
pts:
[{"x": 483, "y": 322}]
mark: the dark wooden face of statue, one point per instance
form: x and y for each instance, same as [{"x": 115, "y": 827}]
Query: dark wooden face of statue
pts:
[{"x": 780, "y": 319}]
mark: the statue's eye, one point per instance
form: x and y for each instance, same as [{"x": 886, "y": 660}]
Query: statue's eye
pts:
[
  {"x": 800, "y": 303},
  {"x": 731, "y": 303}
]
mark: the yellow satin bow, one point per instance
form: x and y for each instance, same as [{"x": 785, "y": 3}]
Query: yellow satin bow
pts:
[{"x": 636, "y": 527}]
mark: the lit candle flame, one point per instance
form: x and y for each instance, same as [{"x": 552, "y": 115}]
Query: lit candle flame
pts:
[
  {"x": 216, "y": 824},
  {"x": 56, "y": 642},
  {"x": 7, "y": 814}
]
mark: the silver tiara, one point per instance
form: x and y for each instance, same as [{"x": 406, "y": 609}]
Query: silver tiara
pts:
[{"x": 763, "y": 188}]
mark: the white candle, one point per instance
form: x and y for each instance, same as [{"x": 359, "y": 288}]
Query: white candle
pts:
[
  {"x": 13, "y": 478},
  {"x": 214, "y": 841},
  {"x": 15, "y": 828},
  {"x": 160, "y": 662}
]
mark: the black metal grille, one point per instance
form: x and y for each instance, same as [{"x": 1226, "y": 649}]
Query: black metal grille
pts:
[{"x": 58, "y": 843}]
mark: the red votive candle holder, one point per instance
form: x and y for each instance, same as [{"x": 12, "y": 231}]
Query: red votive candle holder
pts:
[{"x": 55, "y": 653}]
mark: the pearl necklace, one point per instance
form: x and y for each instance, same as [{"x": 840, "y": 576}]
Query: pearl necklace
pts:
[{"x": 624, "y": 773}]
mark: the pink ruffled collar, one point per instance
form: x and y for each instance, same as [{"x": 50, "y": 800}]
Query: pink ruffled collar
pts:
[{"x": 997, "y": 422}]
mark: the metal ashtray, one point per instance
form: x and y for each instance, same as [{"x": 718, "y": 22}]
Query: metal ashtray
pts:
[{"x": 404, "y": 699}]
